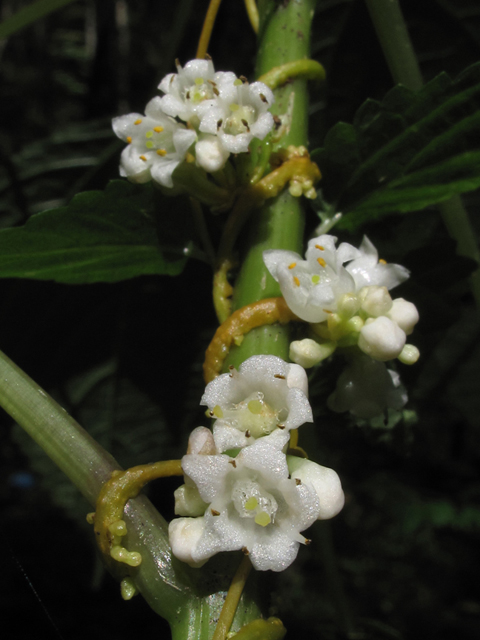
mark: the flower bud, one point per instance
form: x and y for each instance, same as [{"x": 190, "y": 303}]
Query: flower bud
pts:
[
  {"x": 404, "y": 313},
  {"x": 376, "y": 301},
  {"x": 308, "y": 353},
  {"x": 381, "y": 339}
]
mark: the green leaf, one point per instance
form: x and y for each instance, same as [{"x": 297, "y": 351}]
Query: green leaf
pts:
[
  {"x": 101, "y": 236},
  {"x": 409, "y": 151}
]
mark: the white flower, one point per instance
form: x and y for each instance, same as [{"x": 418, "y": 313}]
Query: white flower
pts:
[
  {"x": 238, "y": 114},
  {"x": 367, "y": 269},
  {"x": 264, "y": 395},
  {"x": 367, "y": 388},
  {"x": 320, "y": 285},
  {"x": 156, "y": 144},
  {"x": 186, "y": 90},
  {"x": 312, "y": 287},
  {"x": 254, "y": 505}
]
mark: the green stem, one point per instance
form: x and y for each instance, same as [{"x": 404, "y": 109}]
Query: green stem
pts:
[
  {"x": 170, "y": 587},
  {"x": 284, "y": 37},
  {"x": 400, "y": 56}
]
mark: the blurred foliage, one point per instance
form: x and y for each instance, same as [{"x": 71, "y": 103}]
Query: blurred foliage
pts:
[{"x": 125, "y": 358}]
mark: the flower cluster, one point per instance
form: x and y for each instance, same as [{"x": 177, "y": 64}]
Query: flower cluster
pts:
[
  {"x": 241, "y": 490},
  {"x": 344, "y": 293},
  {"x": 204, "y": 113}
]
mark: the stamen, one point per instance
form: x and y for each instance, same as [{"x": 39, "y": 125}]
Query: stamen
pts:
[
  {"x": 319, "y": 246},
  {"x": 298, "y": 481},
  {"x": 143, "y": 158},
  {"x": 382, "y": 261},
  {"x": 177, "y": 62},
  {"x": 214, "y": 512},
  {"x": 327, "y": 311},
  {"x": 129, "y": 139},
  {"x": 158, "y": 129},
  {"x": 279, "y": 376},
  {"x": 139, "y": 121},
  {"x": 292, "y": 266},
  {"x": 219, "y": 124},
  {"x": 296, "y": 281},
  {"x": 244, "y": 79},
  {"x": 281, "y": 426},
  {"x": 321, "y": 262},
  {"x": 247, "y": 434},
  {"x": 307, "y": 541},
  {"x": 245, "y": 124},
  {"x": 216, "y": 91},
  {"x": 187, "y": 95},
  {"x": 251, "y": 504},
  {"x": 162, "y": 152},
  {"x": 245, "y": 551},
  {"x": 233, "y": 463},
  {"x": 263, "y": 519},
  {"x": 262, "y": 97}
]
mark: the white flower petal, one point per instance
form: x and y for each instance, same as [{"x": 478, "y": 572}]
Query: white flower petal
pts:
[{"x": 381, "y": 339}]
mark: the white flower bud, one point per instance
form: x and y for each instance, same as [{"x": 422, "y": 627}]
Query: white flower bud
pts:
[
  {"x": 210, "y": 154},
  {"x": 381, "y": 339},
  {"x": 325, "y": 482},
  {"x": 201, "y": 441},
  {"x": 184, "y": 535},
  {"x": 404, "y": 313},
  {"x": 307, "y": 353},
  {"x": 188, "y": 501},
  {"x": 376, "y": 301},
  {"x": 409, "y": 354}
]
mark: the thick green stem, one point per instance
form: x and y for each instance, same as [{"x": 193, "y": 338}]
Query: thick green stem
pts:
[
  {"x": 171, "y": 588},
  {"x": 400, "y": 56},
  {"x": 284, "y": 37}
]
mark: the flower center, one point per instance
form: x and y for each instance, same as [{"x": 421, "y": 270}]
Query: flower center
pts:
[
  {"x": 253, "y": 501},
  {"x": 240, "y": 119},
  {"x": 199, "y": 91},
  {"x": 252, "y": 414},
  {"x": 157, "y": 139}
]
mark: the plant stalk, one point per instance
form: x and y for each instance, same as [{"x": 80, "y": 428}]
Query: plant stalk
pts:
[{"x": 284, "y": 36}]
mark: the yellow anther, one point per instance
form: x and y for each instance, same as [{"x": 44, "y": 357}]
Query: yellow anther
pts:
[
  {"x": 238, "y": 82},
  {"x": 263, "y": 518},
  {"x": 234, "y": 107},
  {"x": 296, "y": 281},
  {"x": 198, "y": 81},
  {"x": 255, "y": 407},
  {"x": 319, "y": 246},
  {"x": 217, "y": 411},
  {"x": 251, "y": 504},
  {"x": 381, "y": 261},
  {"x": 143, "y": 158},
  {"x": 315, "y": 279},
  {"x": 139, "y": 121},
  {"x": 292, "y": 266},
  {"x": 149, "y": 134},
  {"x": 161, "y": 152},
  {"x": 129, "y": 139},
  {"x": 158, "y": 129},
  {"x": 321, "y": 262}
]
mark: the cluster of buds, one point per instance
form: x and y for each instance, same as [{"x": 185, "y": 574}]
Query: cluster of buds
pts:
[
  {"x": 203, "y": 117},
  {"x": 343, "y": 292},
  {"x": 241, "y": 491}
]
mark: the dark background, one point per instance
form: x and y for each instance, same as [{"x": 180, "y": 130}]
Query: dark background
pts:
[{"x": 125, "y": 359}]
